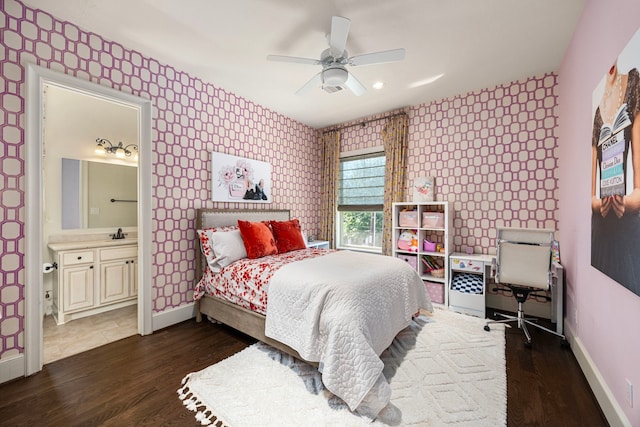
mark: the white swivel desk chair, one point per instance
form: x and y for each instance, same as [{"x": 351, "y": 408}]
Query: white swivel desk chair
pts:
[{"x": 523, "y": 266}]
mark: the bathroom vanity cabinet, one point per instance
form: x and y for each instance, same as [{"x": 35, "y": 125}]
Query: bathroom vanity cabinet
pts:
[{"x": 93, "y": 277}]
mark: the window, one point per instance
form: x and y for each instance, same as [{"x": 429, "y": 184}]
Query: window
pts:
[{"x": 360, "y": 200}]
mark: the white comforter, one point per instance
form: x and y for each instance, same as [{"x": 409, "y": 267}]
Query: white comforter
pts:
[{"x": 343, "y": 310}]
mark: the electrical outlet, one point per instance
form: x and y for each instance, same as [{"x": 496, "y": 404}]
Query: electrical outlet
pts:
[{"x": 629, "y": 393}]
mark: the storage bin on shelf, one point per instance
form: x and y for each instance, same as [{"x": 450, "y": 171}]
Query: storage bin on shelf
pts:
[
  {"x": 428, "y": 246},
  {"x": 412, "y": 260},
  {"x": 432, "y": 219},
  {"x": 436, "y": 291},
  {"x": 408, "y": 218},
  {"x": 437, "y": 272}
]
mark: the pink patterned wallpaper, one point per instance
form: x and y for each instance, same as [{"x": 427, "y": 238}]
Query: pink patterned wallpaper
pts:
[
  {"x": 493, "y": 152},
  {"x": 191, "y": 118}
]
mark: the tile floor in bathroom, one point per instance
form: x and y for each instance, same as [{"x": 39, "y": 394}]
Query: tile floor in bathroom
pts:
[{"x": 86, "y": 333}]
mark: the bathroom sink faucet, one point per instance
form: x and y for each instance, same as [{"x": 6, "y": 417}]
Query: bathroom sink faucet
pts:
[{"x": 118, "y": 235}]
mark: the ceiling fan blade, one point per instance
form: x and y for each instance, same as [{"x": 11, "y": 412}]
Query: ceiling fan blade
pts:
[
  {"x": 339, "y": 33},
  {"x": 377, "y": 57},
  {"x": 354, "y": 85},
  {"x": 314, "y": 82},
  {"x": 294, "y": 59}
]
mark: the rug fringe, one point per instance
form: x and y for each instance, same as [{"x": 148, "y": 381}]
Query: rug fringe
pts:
[{"x": 193, "y": 403}]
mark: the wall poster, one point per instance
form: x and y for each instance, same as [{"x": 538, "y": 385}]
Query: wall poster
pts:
[
  {"x": 237, "y": 179},
  {"x": 423, "y": 189},
  {"x": 615, "y": 170}
]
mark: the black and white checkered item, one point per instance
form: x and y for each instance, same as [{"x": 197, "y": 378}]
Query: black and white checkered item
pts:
[{"x": 467, "y": 283}]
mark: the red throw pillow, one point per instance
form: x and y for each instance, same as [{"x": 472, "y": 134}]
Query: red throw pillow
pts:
[
  {"x": 258, "y": 239},
  {"x": 288, "y": 235}
]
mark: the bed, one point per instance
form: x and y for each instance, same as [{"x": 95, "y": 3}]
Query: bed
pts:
[{"x": 321, "y": 318}]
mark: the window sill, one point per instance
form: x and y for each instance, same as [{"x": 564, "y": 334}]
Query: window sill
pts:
[{"x": 360, "y": 249}]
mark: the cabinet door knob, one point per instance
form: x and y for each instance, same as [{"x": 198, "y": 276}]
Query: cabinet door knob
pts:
[
  {"x": 79, "y": 257},
  {"x": 126, "y": 262},
  {"x": 91, "y": 266}
]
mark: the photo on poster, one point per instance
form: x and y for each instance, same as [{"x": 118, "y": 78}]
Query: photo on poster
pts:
[
  {"x": 424, "y": 189},
  {"x": 238, "y": 179},
  {"x": 615, "y": 186}
]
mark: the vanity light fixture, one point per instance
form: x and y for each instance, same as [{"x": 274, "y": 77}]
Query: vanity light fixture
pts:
[{"x": 105, "y": 146}]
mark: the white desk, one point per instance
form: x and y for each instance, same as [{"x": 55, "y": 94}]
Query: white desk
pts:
[
  {"x": 557, "y": 297},
  {"x": 553, "y": 311},
  {"x": 485, "y": 262}
]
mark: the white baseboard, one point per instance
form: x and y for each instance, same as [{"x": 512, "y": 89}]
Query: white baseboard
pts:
[
  {"x": 609, "y": 405},
  {"x": 173, "y": 316},
  {"x": 11, "y": 368}
]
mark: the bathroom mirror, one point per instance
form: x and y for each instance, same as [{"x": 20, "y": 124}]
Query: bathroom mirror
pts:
[{"x": 98, "y": 195}]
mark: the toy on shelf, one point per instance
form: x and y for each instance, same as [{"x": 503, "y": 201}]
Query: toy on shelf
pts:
[{"x": 408, "y": 241}]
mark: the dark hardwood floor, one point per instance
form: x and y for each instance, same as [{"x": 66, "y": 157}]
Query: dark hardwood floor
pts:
[
  {"x": 545, "y": 385},
  {"x": 133, "y": 382}
]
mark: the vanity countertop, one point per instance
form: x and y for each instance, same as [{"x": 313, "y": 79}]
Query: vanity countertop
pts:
[{"x": 90, "y": 244}]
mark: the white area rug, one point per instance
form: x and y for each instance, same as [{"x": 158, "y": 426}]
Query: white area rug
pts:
[{"x": 444, "y": 370}]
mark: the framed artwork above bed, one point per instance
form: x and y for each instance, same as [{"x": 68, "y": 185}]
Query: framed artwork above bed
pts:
[{"x": 238, "y": 179}]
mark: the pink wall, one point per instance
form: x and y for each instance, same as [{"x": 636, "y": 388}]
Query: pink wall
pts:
[
  {"x": 493, "y": 153},
  {"x": 191, "y": 118},
  {"x": 604, "y": 315}
]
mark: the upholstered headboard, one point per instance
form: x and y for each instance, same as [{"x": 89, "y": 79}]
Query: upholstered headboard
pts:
[{"x": 207, "y": 218}]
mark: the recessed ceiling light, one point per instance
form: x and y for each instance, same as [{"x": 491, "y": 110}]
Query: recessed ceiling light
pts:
[{"x": 378, "y": 85}]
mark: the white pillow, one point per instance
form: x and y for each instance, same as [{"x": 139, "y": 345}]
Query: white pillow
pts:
[
  {"x": 207, "y": 250},
  {"x": 227, "y": 246}
]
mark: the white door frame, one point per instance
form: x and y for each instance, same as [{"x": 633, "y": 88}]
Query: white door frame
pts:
[{"x": 37, "y": 77}]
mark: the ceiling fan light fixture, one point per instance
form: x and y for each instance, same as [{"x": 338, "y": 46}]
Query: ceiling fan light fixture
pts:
[{"x": 334, "y": 76}]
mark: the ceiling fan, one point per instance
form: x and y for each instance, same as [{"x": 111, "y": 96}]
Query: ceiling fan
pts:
[{"x": 334, "y": 60}]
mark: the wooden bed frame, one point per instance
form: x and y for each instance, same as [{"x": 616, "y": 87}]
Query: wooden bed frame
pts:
[{"x": 239, "y": 318}]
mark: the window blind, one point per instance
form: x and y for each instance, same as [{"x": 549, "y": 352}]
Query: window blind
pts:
[{"x": 361, "y": 183}]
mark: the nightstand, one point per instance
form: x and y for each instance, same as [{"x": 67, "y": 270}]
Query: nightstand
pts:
[{"x": 320, "y": 244}]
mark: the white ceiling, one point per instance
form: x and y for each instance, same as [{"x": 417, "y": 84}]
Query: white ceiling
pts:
[{"x": 476, "y": 44}]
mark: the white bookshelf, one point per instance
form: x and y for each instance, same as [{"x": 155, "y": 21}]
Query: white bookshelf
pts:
[{"x": 437, "y": 234}]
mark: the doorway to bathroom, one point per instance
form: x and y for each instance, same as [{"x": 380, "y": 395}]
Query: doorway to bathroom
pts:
[
  {"x": 90, "y": 191},
  {"x": 40, "y": 218}
]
